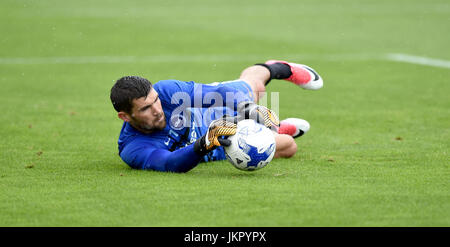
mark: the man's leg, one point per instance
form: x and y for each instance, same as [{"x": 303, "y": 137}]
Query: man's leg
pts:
[
  {"x": 259, "y": 75},
  {"x": 290, "y": 129},
  {"x": 256, "y": 76},
  {"x": 286, "y": 146}
]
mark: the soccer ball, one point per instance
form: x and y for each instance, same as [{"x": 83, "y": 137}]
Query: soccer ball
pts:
[{"x": 252, "y": 147}]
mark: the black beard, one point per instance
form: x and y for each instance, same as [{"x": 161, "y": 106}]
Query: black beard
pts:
[{"x": 147, "y": 129}]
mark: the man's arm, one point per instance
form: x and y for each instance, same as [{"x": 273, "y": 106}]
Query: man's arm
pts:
[
  {"x": 149, "y": 158},
  {"x": 141, "y": 154}
]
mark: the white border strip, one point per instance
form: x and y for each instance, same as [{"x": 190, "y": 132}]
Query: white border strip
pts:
[{"x": 398, "y": 57}]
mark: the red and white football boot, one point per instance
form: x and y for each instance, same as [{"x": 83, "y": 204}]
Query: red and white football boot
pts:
[
  {"x": 294, "y": 127},
  {"x": 302, "y": 75}
]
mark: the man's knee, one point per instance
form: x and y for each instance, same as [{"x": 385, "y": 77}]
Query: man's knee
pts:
[
  {"x": 257, "y": 76},
  {"x": 286, "y": 146},
  {"x": 291, "y": 150}
]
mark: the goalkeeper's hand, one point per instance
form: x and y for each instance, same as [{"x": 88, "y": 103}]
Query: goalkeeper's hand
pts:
[
  {"x": 261, "y": 114},
  {"x": 216, "y": 129}
]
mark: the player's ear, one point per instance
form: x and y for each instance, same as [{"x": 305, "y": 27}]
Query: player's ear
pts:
[{"x": 124, "y": 116}]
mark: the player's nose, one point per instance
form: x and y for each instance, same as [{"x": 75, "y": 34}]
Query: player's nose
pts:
[{"x": 157, "y": 111}]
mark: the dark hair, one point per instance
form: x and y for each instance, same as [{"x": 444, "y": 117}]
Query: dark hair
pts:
[{"x": 126, "y": 89}]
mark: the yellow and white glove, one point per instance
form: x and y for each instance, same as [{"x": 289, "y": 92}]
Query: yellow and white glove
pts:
[
  {"x": 261, "y": 114},
  {"x": 217, "y": 128}
]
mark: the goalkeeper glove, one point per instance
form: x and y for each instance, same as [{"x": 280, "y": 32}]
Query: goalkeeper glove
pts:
[
  {"x": 261, "y": 114},
  {"x": 211, "y": 140}
]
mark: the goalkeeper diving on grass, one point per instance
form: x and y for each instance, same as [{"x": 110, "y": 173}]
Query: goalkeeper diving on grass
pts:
[{"x": 172, "y": 125}]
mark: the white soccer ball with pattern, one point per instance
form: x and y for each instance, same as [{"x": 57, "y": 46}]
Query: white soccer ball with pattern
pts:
[{"x": 252, "y": 147}]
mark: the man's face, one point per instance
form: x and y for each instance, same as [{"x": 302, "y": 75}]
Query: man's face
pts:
[{"x": 147, "y": 114}]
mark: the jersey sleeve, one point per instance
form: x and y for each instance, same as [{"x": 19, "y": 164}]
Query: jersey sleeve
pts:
[{"x": 139, "y": 155}]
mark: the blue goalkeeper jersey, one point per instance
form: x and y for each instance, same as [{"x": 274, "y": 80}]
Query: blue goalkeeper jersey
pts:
[{"x": 189, "y": 107}]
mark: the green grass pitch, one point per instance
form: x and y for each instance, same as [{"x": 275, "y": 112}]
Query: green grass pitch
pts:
[{"x": 377, "y": 153}]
